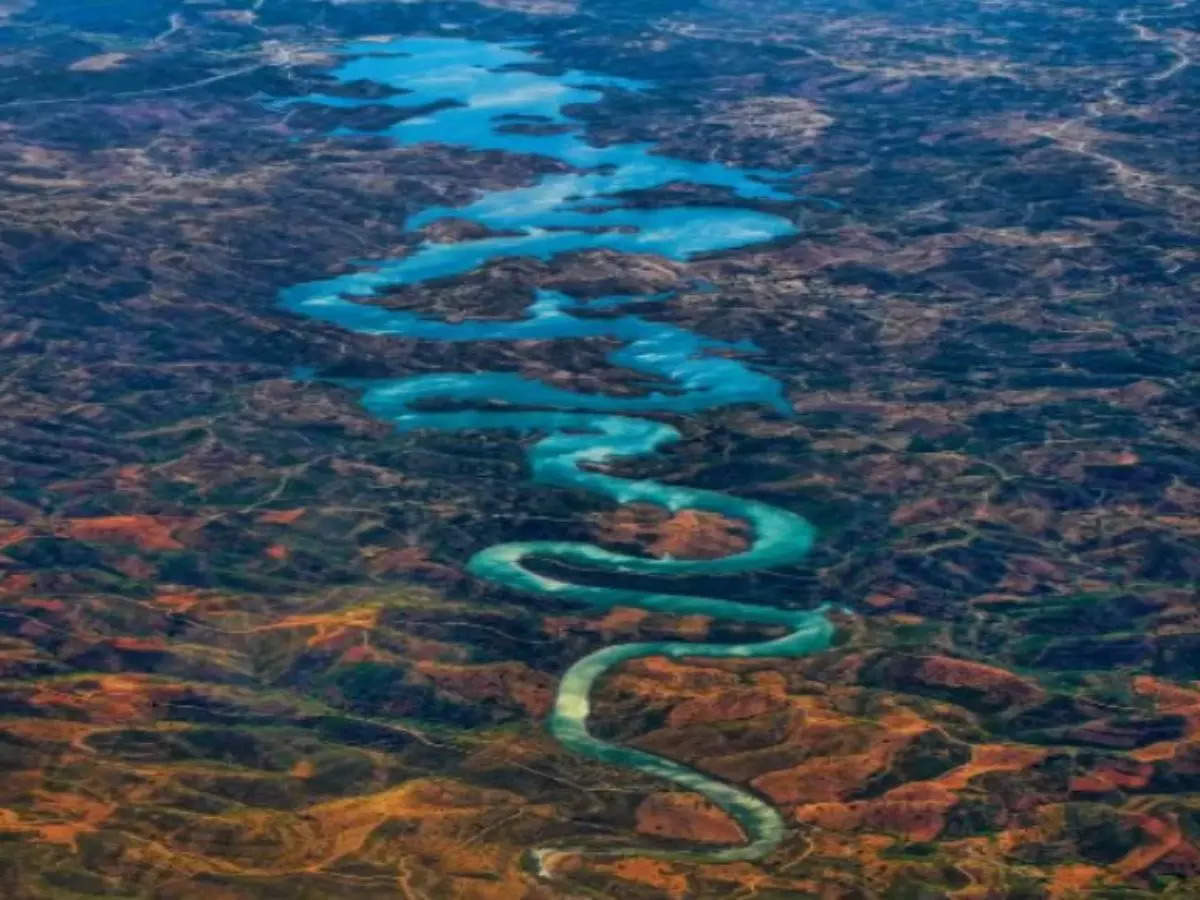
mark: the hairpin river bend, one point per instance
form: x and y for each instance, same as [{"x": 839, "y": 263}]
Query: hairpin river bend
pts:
[{"x": 488, "y": 88}]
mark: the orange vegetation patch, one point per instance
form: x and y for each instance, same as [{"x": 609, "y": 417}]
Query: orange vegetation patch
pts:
[
  {"x": 1155, "y": 752},
  {"x": 1111, "y": 776},
  {"x": 138, "y": 645},
  {"x": 282, "y": 516},
  {"x": 823, "y": 779},
  {"x": 863, "y": 856},
  {"x": 834, "y": 777},
  {"x": 59, "y": 731},
  {"x": 330, "y": 628},
  {"x": 687, "y": 816},
  {"x": 619, "y": 621},
  {"x": 691, "y": 534},
  {"x": 916, "y": 820},
  {"x": 891, "y": 595},
  {"x": 693, "y": 628},
  {"x": 999, "y": 684},
  {"x": 922, "y": 792},
  {"x": 54, "y": 606},
  {"x": 991, "y": 758},
  {"x": 624, "y": 621},
  {"x": 724, "y": 707},
  {"x": 1183, "y": 862},
  {"x": 1163, "y": 836},
  {"x": 1168, "y": 698},
  {"x": 129, "y": 478},
  {"x": 510, "y": 682},
  {"x": 58, "y": 818},
  {"x": 653, "y": 873},
  {"x": 109, "y": 699},
  {"x": 16, "y": 583},
  {"x": 452, "y": 839},
  {"x": 177, "y": 602},
  {"x": 146, "y": 532},
  {"x": 752, "y": 880},
  {"x": 650, "y": 675},
  {"x": 687, "y": 534},
  {"x": 1186, "y": 524},
  {"x": 364, "y": 653},
  {"x": 1071, "y": 881},
  {"x": 440, "y": 805},
  {"x": 10, "y": 537},
  {"x": 78, "y": 813}
]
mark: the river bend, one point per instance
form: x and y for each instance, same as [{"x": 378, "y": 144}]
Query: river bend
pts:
[{"x": 477, "y": 92}]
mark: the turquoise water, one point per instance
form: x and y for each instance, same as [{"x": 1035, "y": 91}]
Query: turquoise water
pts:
[{"x": 465, "y": 93}]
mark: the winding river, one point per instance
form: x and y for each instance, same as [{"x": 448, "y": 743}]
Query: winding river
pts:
[{"x": 477, "y": 92}]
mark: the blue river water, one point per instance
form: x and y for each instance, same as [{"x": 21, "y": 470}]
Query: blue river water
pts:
[{"x": 469, "y": 94}]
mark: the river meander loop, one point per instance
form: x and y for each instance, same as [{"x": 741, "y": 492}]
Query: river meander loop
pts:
[{"x": 482, "y": 88}]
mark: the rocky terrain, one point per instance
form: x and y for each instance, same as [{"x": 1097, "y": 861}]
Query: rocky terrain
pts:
[{"x": 240, "y": 657}]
